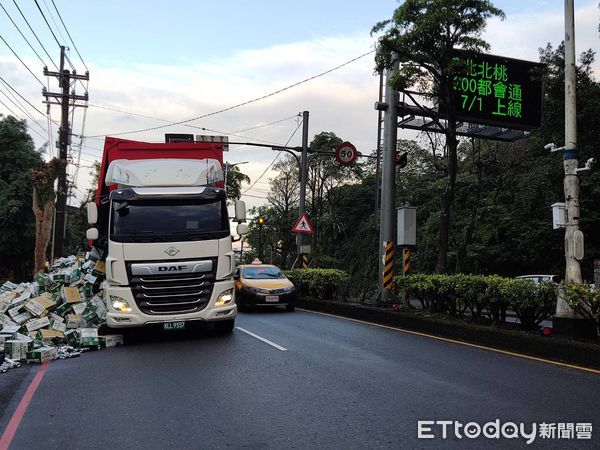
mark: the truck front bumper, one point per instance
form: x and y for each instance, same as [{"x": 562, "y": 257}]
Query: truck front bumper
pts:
[{"x": 136, "y": 318}]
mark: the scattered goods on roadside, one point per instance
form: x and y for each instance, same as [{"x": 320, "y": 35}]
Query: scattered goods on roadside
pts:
[{"x": 56, "y": 316}]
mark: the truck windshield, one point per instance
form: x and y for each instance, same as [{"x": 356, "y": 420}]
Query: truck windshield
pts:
[{"x": 161, "y": 221}]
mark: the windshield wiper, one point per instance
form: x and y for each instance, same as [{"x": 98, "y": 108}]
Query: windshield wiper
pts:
[
  {"x": 134, "y": 233},
  {"x": 200, "y": 234}
]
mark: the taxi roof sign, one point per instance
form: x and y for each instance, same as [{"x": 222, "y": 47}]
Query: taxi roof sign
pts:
[{"x": 303, "y": 225}]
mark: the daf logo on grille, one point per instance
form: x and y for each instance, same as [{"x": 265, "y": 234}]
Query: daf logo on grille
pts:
[
  {"x": 171, "y": 268},
  {"x": 171, "y": 251}
]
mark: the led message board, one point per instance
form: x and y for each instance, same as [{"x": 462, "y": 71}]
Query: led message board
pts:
[{"x": 498, "y": 91}]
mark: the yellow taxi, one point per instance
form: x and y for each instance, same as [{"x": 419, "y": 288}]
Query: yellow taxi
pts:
[{"x": 263, "y": 285}]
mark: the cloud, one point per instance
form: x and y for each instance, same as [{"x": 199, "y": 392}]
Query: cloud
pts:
[
  {"x": 521, "y": 35},
  {"x": 341, "y": 101}
]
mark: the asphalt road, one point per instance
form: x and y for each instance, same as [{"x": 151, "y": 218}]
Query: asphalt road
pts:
[{"x": 318, "y": 382}]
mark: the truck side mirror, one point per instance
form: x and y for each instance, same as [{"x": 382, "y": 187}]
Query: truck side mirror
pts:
[
  {"x": 242, "y": 229},
  {"x": 240, "y": 211},
  {"x": 91, "y": 234},
  {"x": 92, "y": 213}
]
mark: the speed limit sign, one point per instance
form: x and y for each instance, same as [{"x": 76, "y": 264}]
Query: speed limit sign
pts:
[{"x": 346, "y": 154}]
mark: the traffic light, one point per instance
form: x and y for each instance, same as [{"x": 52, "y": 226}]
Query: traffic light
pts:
[
  {"x": 261, "y": 220},
  {"x": 401, "y": 159}
]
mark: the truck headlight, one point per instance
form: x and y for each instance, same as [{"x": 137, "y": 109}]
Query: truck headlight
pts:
[
  {"x": 119, "y": 303},
  {"x": 224, "y": 298}
]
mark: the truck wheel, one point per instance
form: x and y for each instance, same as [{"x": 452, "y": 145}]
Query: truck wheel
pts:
[{"x": 225, "y": 326}]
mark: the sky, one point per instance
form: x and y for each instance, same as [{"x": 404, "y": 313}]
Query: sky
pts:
[{"x": 157, "y": 62}]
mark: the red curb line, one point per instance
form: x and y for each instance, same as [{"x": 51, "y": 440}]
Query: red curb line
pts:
[{"x": 17, "y": 416}]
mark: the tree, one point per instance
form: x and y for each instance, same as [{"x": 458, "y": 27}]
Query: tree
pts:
[
  {"x": 77, "y": 224},
  {"x": 421, "y": 36},
  {"x": 17, "y": 156},
  {"x": 284, "y": 196},
  {"x": 324, "y": 176},
  {"x": 235, "y": 179},
  {"x": 42, "y": 181},
  {"x": 588, "y": 128}
]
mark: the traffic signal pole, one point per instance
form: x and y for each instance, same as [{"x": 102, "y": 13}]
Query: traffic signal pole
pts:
[{"x": 303, "y": 178}]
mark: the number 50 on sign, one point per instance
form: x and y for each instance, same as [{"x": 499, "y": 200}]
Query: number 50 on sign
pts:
[{"x": 346, "y": 154}]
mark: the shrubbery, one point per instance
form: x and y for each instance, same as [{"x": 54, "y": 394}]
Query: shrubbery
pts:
[
  {"x": 321, "y": 283},
  {"x": 481, "y": 297},
  {"x": 584, "y": 301}
]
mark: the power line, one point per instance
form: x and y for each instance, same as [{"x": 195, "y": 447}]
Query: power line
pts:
[
  {"x": 254, "y": 196},
  {"x": 22, "y": 62},
  {"x": 34, "y": 33},
  {"x": 22, "y": 35},
  {"x": 92, "y": 158},
  {"x": 17, "y": 116},
  {"x": 70, "y": 38},
  {"x": 81, "y": 140},
  {"x": 108, "y": 108},
  {"x": 266, "y": 124},
  {"x": 46, "y": 20},
  {"x": 9, "y": 110},
  {"x": 74, "y": 71},
  {"x": 23, "y": 98},
  {"x": 201, "y": 128},
  {"x": 240, "y": 136},
  {"x": 23, "y": 110},
  {"x": 54, "y": 21},
  {"x": 243, "y": 103},
  {"x": 188, "y": 125},
  {"x": 274, "y": 159},
  {"x": 49, "y": 125}
]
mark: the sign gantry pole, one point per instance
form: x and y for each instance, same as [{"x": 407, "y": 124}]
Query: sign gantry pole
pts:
[{"x": 387, "y": 218}]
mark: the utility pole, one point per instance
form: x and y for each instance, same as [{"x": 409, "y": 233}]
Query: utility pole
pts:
[
  {"x": 64, "y": 98},
  {"x": 570, "y": 159},
  {"x": 566, "y": 320},
  {"x": 303, "y": 178},
  {"x": 387, "y": 219}
]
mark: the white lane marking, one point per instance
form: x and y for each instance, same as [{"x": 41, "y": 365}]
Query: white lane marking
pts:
[{"x": 266, "y": 341}]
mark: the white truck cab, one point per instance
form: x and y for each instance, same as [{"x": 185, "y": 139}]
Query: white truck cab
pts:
[{"x": 169, "y": 258}]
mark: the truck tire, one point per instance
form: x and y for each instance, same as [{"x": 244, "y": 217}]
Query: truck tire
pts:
[{"x": 225, "y": 326}]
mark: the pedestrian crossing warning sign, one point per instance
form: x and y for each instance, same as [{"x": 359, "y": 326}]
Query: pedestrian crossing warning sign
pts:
[{"x": 303, "y": 225}]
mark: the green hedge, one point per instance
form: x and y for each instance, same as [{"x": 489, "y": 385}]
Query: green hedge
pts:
[
  {"x": 584, "y": 301},
  {"x": 321, "y": 283},
  {"x": 481, "y": 297}
]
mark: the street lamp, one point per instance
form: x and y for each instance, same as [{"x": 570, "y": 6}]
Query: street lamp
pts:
[{"x": 227, "y": 167}]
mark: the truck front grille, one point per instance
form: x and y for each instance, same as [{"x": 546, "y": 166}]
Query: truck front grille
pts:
[{"x": 172, "y": 293}]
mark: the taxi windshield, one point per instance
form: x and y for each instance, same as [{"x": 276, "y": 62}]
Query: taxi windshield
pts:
[{"x": 262, "y": 273}]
